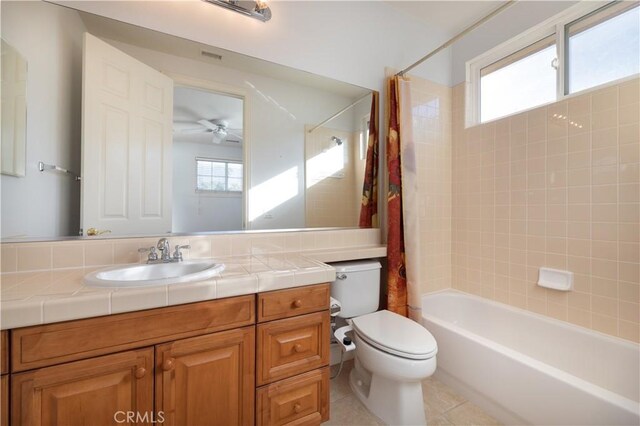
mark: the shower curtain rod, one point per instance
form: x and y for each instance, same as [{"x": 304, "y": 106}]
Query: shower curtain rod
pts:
[
  {"x": 457, "y": 37},
  {"x": 339, "y": 112}
]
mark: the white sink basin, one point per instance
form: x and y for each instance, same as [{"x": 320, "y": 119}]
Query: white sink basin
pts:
[{"x": 143, "y": 275}]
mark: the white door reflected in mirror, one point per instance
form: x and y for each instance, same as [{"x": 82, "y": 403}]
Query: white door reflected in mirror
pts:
[
  {"x": 126, "y": 142},
  {"x": 14, "y": 111}
]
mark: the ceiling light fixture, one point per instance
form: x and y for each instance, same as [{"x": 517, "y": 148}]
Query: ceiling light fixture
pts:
[{"x": 255, "y": 9}]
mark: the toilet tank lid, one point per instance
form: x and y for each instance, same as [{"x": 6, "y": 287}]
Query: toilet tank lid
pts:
[{"x": 356, "y": 266}]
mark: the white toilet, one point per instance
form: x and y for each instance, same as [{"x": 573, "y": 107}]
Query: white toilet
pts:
[{"x": 393, "y": 354}]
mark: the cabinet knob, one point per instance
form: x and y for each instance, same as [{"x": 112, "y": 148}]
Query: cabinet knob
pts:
[
  {"x": 297, "y": 348},
  {"x": 140, "y": 372},
  {"x": 297, "y": 408},
  {"x": 297, "y": 303},
  {"x": 168, "y": 364}
]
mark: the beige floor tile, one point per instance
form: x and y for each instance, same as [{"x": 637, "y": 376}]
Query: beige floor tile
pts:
[
  {"x": 469, "y": 414},
  {"x": 443, "y": 405},
  {"x": 439, "y": 421},
  {"x": 348, "y": 411},
  {"x": 340, "y": 385},
  {"x": 438, "y": 398}
]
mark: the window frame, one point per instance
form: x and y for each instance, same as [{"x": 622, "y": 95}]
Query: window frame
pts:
[
  {"x": 555, "y": 25},
  {"x": 225, "y": 192}
]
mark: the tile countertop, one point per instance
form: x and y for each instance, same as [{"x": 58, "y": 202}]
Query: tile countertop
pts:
[{"x": 32, "y": 298}]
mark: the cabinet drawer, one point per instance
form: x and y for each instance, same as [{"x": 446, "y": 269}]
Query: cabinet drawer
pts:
[
  {"x": 43, "y": 345},
  {"x": 299, "y": 400},
  {"x": 292, "y": 346},
  {"x": 291, "y": 302}
]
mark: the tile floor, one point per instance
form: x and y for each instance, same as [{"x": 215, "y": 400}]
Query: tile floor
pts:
[{"x": 442, "y": 404}]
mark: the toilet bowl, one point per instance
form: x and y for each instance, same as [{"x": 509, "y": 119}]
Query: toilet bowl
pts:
[{"x": 393, "y": 355}]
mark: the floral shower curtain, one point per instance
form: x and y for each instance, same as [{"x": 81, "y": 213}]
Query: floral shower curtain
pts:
[
  {"x": 369, "y": 207},
  {"x": 403, "y": 238},
  {"x": 396, "y": 275}
]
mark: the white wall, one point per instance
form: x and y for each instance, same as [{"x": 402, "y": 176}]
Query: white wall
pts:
[
  {"x": 509, "y": 23},
  {"x": 351, "y": 41},
  {"x": 278, "y": 112},
  {"x": 197, "y": 211},
  {"x": 46, "y": 204}
]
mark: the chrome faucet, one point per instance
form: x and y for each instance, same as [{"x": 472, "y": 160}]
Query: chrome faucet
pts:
[
  {"x": 165, "y": 249},
  {"x": 165, "y": 252}
]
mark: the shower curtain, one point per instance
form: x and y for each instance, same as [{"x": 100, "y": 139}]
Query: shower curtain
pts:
[
  {"x": 369, "y": 206},
  {"x": 403, "y": 237}
]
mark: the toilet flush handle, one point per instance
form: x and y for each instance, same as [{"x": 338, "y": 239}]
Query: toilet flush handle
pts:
[{"x": 341, "y": 276}]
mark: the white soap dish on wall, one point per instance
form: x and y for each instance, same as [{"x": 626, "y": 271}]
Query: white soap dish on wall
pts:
[{"x": 555, "y": 279}]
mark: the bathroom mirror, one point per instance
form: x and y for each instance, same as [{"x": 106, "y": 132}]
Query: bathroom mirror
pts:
[
  {"x": 14, "y": 111},
  {"x": 136, "y": 132}
]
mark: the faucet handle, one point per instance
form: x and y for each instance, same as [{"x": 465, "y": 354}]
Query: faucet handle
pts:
[
  {"x": 153, "y": 254},
  {"x": 177, "y": 254}
]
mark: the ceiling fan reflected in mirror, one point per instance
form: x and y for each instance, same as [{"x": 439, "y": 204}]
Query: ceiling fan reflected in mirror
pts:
[{"x": 219, "y": 129}]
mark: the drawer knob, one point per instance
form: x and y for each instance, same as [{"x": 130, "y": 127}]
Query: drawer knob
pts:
[
  {"x": 297, "y": 303},
  {"x": 297, "y": 348},
  {"x": 297, "y": 408},
  {"x": 168, "y": 364},
  {"x": 140, "y": 372}
]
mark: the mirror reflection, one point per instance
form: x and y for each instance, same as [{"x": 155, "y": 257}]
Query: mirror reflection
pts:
[
  {"x": 169, "y": 135},
  {"x": 208, "y": 161},
  {"x": 14, "y": 111}
]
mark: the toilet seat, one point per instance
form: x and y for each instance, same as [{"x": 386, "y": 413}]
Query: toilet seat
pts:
[{"x": 396, "y": 335}]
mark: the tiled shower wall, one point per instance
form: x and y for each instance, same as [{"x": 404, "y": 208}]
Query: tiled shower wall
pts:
[
  {"x": 431, "y": 118},
  {"x": 557, "y": 186}
]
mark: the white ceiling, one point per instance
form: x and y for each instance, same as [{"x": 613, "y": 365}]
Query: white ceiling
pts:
[
  {"x": 450, "y": 17},
  {"x": 111, "y": 29},
  {"x": 191, "y": 105}
]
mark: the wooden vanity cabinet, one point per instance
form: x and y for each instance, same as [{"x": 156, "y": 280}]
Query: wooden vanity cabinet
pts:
[
  {"x": 191, "y": 364},
  {"x": 293, "y": 356}
]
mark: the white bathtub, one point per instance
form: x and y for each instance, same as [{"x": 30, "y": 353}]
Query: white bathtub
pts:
[{"x": 527, "y": 368}]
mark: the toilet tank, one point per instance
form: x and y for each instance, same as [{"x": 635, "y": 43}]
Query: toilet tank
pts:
[{"x": 356, "y": 287}]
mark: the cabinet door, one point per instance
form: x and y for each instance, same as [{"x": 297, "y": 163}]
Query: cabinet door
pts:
[
  {"x": 4, "y": 395},
  {"x": 92, "y": 392},
  {"x": 207, "y": 380}
]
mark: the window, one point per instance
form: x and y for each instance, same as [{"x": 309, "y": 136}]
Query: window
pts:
[
  {"x": 520, "y": 81},
  {"x": 218, "y": 175},
  {"x": 586, "y": 46},
  {"x": 603, "y": 46}
]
